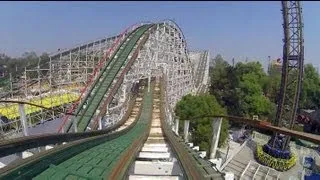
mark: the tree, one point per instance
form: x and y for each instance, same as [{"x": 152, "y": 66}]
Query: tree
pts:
[
  {"x": 246, "y": 90},
  {"x": 310, "y": 95},
  {"x": 29, "y": 56},
  {"x": 310, "y": 91},
  {"x": 192, "y": 106},
  {"x": 271, "y": 84},
  {"x": 252, "y": 100},
  {"x": 254, "y": 68},
  {"x": 45, "y": 61},
  {"x": 223, "y": 84}
]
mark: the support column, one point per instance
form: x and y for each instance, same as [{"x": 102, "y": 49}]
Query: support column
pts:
[
  {"x": 23, "y": 119},
  {"x": 107, "y": 110},
  {"x": 19, "y": 154},
  {"x": 62, "y": 130},
  {"x": 186, "y": 130},
  {"x": 100, "y": 123},
  {"x": 216, "y": 127},
  {"x": 75, "y": 125},
  {"x": 170, "y": 120},
  {"x": 108, "y": 117},
  {"x": 41, "y": 148},
  {"x": 177, "y": 127},
  {"x": 149, "y": 80},
  {"x": 123, "y": 91}
]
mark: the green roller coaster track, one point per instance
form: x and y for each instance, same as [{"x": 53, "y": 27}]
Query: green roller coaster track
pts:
[
  {"x": 94, "y": 157},
  {"x": 91, "y": 102},
  {"x": 90, "y": 158}
]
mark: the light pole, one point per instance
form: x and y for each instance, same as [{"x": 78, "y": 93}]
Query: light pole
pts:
[{"x": 269, "y": 64}]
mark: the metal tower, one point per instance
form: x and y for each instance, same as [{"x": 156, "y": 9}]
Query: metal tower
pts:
[
  {"x": 292, "y": 68},
  {"x": 276, "y": 153}
]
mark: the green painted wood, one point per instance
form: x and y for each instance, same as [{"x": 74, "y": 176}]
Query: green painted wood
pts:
[
  {"x": 93, "y": 159},
  {"x": 97, "y": 162},
  {"x": 104, "y": 82},
  {"x": 104, "y": 150},
  {"x": 97, "y": 83}
]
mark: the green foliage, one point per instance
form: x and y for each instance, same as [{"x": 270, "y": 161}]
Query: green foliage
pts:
[
  {"x": 271, "y": 84},
  {"x": 252, "y": 99},
  {"x": 223, "y": 85},
  {"x": 16, "y": 66},
  {"x": 241, "y": 89},
  {"x": 310, "y": 92},
  {"x": 310, "y": 95},
  {"x": 250, "y": 67},
  {"x": 193, "y": 106},
  {"x": 246, "y": 90}
]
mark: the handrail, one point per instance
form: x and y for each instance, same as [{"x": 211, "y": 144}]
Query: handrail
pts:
[
  {"x": 244, "y": 171},
  {"x": 259, "y": 124},
  {"x": 233, "y": 155}
]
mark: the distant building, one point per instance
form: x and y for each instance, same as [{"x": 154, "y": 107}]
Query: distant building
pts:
[{"x": 275, "y": 65}]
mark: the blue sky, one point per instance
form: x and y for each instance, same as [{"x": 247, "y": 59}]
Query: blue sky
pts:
[{"x": 233, "y": 29}]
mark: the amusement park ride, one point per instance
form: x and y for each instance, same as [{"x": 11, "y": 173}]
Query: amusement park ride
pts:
[
  {"x": 143, "y": 52},
  {"x": 292, "y": 72}
]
